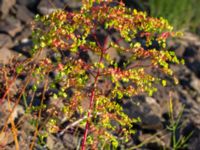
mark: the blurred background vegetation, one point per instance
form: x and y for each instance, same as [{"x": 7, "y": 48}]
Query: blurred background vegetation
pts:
[{"x": 184, "y": 15}]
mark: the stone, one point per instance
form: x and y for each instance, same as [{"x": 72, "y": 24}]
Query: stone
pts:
[
  {"x": 194, "y": 141},
  {"x": 6, "y": 106},
  {"x": 179, "y": 50},
  {"x": 117, "y": 38},
  {"x": 5, "y": 55},
  {"x": 24, "y": 14},
  {"x": 155, "y": 107},
  {"x": 112, "y": 52},
  {"x": 194, "y": 66},
  {"x": 23, "y": 48},
  {"x": 28, "y": 3},
  {"x": 71, "y": 141},
  {"x": 46, "y": 7},
  {"x": 27, "y": 127},
  {"x": 11, "y": 26},
  {"x": 31, "y": 5},
  {"x": 195, "y": 83},
  {"x": 54, "y": 143},
  {"x": 74, "y": 4},
  {"x": 151, "y": 122},
  {"x": 6, "y": 138},
  {"x": 5, "y": 41},
  {"x": 190, "y": 38},
  {"x": 24, "y": 36},
  {"x": 190, "y": 51},
  {"x": 5, "y": 6},
  {"x": 50, "y": 141},
  {"x": 148, "y": 111},
  {"x": 162, "y": 138},
  {"x": 92, "y": 56},
  {"x": 198, "y": 99}
]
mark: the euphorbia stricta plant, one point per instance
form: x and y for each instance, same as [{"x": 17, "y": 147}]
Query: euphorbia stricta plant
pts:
[{"x": 80, "y": 46}]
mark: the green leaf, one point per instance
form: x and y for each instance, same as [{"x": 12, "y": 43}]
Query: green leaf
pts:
[
  {"x": 164, "y": 82},
  {"x": 119, "y": 94},
  {"x": 55, "y": 96},
  {"x": 34, "y": 87},
  {"x": 19, "y": 69},
  {"x": 37, "y": 17},
  {"x": 42, "y": 44},
  {"x": 115, "y": 143}
]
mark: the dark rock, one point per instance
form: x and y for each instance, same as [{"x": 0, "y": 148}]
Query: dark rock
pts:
[
  {"x": 5, "y": 41},
  {"x": 194, "y": 141},
  {"x": 190, "y": 51},
  {"x": 30, "y": 4},
  {"x": 134, "y": 4},
  {"x": 151, "y": 122},
  {"x": 154, "y": 146},
  {"x": 23, "y": 36},
  {"x": 5, "y": 6},
  {"x": 195, "y": 144},
  {"x": 184, "y": 78},
  {"x": 11, "y": 26},
  {"x": 147, "y": 109},
  {"x": 23, "y": 48},
  {"x": 179, "y": 50},
  {"x": 27, "y": 2},
  {"x": 194, "y": 66},
  {"x": 23, "y": 14},
  {"x": 73, "y": 4}
]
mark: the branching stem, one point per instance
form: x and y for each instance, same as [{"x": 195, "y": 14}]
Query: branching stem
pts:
[{"x": 83, "y": 147}]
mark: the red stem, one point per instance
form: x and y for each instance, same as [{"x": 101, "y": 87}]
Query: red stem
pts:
[
  {"x": 87, "y": 124},
  {"x": 83, "y": 147},
  {"x": 8, "y": 89}
]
